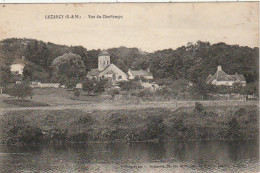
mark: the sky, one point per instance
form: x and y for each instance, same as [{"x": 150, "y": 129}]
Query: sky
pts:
[{"x": 147, "y": 26}]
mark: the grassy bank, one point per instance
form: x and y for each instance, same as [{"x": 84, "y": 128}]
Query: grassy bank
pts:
[{"x": 152, "y": 124}]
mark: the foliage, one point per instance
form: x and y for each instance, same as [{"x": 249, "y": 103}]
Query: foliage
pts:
[
  {"x": 20, "y": 91},
  {"x": 234, "y": 128},
  {"x": 70, "y": 70},
  {"x": 99, "y": 86},
  {"x": 113, "y": 92},
  {"x": 198, "y": 107},
  {"x": 5, "y": 76},
  {"x": 15, "y": 130},
  {"x": 76, "y": 93},
  {"x": 33, "y": 72},
  {"x": 129, "y": 85},
  {"x": 152, "y": 124},
  {"x": 155, "y": 127},
  {"x": 88, "y": 85},
  {"x": 192, "y": 62}
]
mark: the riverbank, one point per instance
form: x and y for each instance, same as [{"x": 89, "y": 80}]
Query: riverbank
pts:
[{"x": 151, "y": 124}]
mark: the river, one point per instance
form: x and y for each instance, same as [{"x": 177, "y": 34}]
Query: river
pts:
[{"x": 206, "y": 156}]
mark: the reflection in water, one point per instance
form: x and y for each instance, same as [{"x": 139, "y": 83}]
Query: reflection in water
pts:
[{"x": 236, "y": 156}]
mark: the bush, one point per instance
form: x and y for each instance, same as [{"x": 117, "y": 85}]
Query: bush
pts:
[
  {"x": 144, "y": 94},
  {"x": 118, "y": 119},
  {"x": 15, "y": 130},
  {"x": 76, "y": 93},
  {"x": 130, "y": 85},
  {"x": 99, "y": 86},
  {"x": 113, "y": 92},
  {"x": 198, "y": 107},
  {"x": 155, "y": 127},
  {"x": 88, "y": 85},
  {"x": 234, "y": 129},
  {"x": 20, "y": 90}
]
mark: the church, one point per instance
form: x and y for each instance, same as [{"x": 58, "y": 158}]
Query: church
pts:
[{"x": 106, "y": 70}]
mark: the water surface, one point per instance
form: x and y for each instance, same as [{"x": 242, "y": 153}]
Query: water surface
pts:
[{"x": 209, "y": 156}]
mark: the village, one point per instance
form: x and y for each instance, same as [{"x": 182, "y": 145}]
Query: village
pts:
[
  {"x": 122, "y": 94},
  {"x": 135, "y": 85}
]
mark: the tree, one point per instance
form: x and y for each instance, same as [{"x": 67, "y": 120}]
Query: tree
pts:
[
  {"x": 130, "y": 85},
  {"x": 70, "y": 70},
  {"x": 20, "y": 91},
  {"x": 5, "y": 76},
  {"x": 99, "y": 86},
  {"x": 88, "y": 86}
]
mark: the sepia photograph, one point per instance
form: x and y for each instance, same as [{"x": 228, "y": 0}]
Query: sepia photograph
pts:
[{"x": 129, "y": 87}]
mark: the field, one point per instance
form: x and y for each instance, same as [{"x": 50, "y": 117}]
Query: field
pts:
[{"x": 59, "y": 98}]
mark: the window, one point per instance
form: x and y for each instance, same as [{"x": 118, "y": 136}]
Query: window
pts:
[{"x": 120, "y": 77}]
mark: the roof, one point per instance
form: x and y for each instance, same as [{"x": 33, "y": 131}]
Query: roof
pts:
[
  {"x": 110, "y": 72},
  {"x": 104, "y": 52},
  {"x": 94, "y": 72},
  {"x": 222, "y": 76},
  {"x": 141, "y": 73},
  {"x": 238, "y": 77}
]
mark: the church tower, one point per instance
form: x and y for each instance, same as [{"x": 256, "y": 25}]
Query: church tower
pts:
[{"x": 103, "y": 60}]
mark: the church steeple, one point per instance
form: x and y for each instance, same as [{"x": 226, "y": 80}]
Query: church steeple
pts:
[{"x": 103, "y": 60}]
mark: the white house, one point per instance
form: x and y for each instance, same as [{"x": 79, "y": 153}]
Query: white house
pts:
[
  {"x": 146, "y": 74},
  {"x": 17, "y": 68},
  {"x": 106, "y": 70},
  {"x": 221, "y": 78}
]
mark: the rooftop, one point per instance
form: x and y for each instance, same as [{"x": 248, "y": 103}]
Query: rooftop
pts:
[{"x": 104, "y": 52}]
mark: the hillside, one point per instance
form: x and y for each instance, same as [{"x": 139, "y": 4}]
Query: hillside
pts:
[{"x": 193, "y": 62}]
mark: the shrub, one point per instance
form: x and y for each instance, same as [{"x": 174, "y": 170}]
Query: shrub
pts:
[
  {"x": 76, "y": 93},
  {"x": 144, "y": 94},
  {"x": 113, "y": 92},
  {"x": 198, "y": 107},
  {"x": 234, "y": 128},
  {"x": 130, "y": 85},
  {"x": 155, "y": 127},
  {"x": 117, "y": 119},
  {"x": 20, "y": 90},
  {"x": 15, "y": 129},
  {"x": 88, "y": 85},
  {"x": 241, "y": 112}
]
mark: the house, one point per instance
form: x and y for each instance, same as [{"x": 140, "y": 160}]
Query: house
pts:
[
  {"x": 17, "y": 68},
  {"x": 106, "y": 70},
  {"x": 221, "y": 78},
  {"x": 146, "y": 74}
]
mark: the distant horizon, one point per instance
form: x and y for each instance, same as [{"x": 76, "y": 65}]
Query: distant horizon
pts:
[
  {"x": 124, "y": 45},
  {"x": 147, "y": 26}
]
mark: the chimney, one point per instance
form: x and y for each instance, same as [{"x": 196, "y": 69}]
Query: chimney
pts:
[{"x": 219, "y": 68}]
